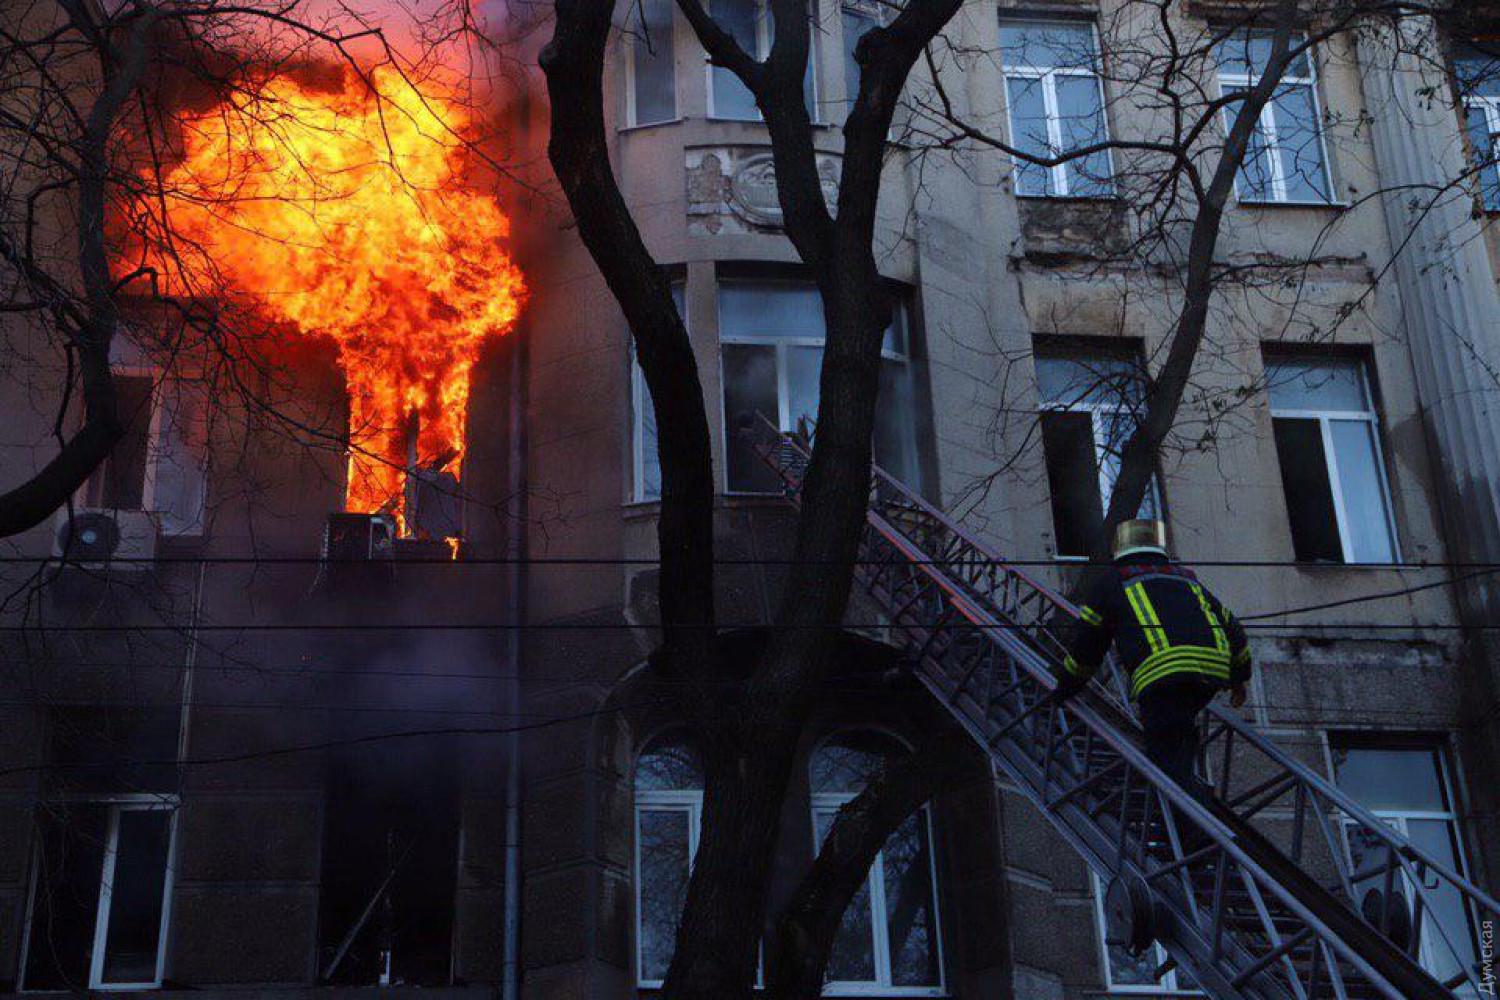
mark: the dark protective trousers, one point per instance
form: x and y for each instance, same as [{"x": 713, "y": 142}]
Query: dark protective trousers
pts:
[{"x": 1169, "y": 713}]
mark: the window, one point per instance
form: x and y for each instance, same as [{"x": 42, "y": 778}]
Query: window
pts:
[
  {"x": 1285, "y": 160},
  {"x": 772, "y": 341},
  {"x": 751, "y": 24},
  {"x": 159, "y": 463},
  {"x": 650, "y": 63},
  {"x": 1478, "y": 75},
  {"x": 1407, "y": 786},
  {"x": 668, "y": 812},
  {"x": 857, "y": 17},
  {"x": 1056, "y": 104},
  {"x": 890, "y": 941},
  {"x": 101, "y": 894},
  {"x": 389, "y": 874},
  {"x": 1089, "y": 408},
  {"x": 1332, "y": 470},
  {"x": 646, "y": 465},
  {"x": 1127, "y": 973}
]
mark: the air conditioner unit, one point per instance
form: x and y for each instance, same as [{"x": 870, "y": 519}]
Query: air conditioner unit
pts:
[
  {"x": 358, "y": 537},
  {"x": 358, "y": 550},
  {"x": 95, "y": 538}
]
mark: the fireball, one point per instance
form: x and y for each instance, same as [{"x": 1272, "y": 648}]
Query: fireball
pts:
[{"x": 349, "y": 213}]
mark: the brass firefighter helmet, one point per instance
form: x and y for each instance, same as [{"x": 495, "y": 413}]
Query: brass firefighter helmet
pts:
[{"x": 1139, "y": 536}]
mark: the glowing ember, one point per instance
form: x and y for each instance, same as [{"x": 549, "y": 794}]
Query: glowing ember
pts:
[{"x": 348, "y": 215}]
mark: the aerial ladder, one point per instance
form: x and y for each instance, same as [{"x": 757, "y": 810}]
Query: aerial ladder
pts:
[{"x": 1248, "y": 909}]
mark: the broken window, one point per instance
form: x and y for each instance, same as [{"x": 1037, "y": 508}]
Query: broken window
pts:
[
  {"x": 390, "y": 863},
  {"x": 1285, "y": 160},
  {"x": 772, "y": 335},
  {"x": 1406, "y": 786},
  {"x": 668, "y": 813},
  {"x": 751, "y": 24},
  {"x": 1090, "y": 404},
  {"x": 1332, "y": 470},
  {"x": 101, "y": 894},
  {"x": 1478, "y": 73},
  {"x": 650, "y": 65},
  {"x": 1055, "y": 101},
  {"x": 889, "y": 939}
]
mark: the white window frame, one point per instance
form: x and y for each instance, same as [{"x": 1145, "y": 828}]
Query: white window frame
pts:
[
  {"x": 1397, "y": 820},
  {"x": 629, "y": 41},
  {"x": 783, "y": 396},
  {"x": 116, "y": 804},
  {"x": 661, "y": 800},
  {"x": 1491, "y": 108},
  {"x": 1099, "y": 413},
  {"x": 1267, "y": 124},
  {"x": 638, "y": 398},
  {"x": 829, "y": 803},
  {"x": 638, "y": 435},
  {"x": 763, "y": 23},
  {"x": 1048, "y": 76},
  {"x": 1166, "y": 986},
  {"x": 88, "y": 494},
  {"x": 1325, "y": 419}
]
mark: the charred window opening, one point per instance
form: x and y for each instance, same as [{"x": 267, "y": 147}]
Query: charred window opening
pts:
[
  {"x": 390, "y": 862},
  {"x": 101, "y": 887},
  {"x": 160, "y": 464},
  {"x": 121, "y": 483}
]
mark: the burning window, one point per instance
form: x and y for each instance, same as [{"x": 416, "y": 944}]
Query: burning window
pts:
[{"x": 354, "y": 207}]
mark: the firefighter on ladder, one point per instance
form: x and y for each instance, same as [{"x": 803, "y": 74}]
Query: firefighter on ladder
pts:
[{"x": 1178, "y": 644}]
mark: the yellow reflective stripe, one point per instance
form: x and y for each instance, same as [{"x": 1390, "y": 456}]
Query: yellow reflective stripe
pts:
[
  {"x": 1218, "y": 671},
  {"x": 1075, "y": 668},
  {"x": 1182, "y": 659},
  {"x": 1221, "y": 638},
  {"x": 1145, "y": 615},
  {"x": 1089, "y": 615}
]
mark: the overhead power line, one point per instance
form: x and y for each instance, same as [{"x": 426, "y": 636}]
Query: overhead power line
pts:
[{"x": 1056, "y": 563}]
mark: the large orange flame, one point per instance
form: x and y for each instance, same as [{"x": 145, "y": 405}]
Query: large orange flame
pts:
[{"x": 346, "y": 213}]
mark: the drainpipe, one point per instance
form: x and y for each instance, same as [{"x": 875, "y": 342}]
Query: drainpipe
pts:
[{"x": 510, "y": 980}]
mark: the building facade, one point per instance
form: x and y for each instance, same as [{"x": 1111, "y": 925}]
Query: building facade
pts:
[{"x": 232, "y": 763}]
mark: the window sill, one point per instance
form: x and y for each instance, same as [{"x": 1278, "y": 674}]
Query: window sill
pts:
[
  {"x": 643, "y": 126},
  {"x": 1335, "y": 205},
  {"x": 1085, "y": 199},
  {"x": 720, "y": 119}
]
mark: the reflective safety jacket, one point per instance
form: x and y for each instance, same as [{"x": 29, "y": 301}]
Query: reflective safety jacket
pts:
[{"x": 1163, "y": 624}]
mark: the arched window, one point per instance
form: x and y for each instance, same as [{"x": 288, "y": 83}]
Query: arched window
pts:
[
  {"x": 668, "y": 813},
  {"x": 889, "y": 940}
]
